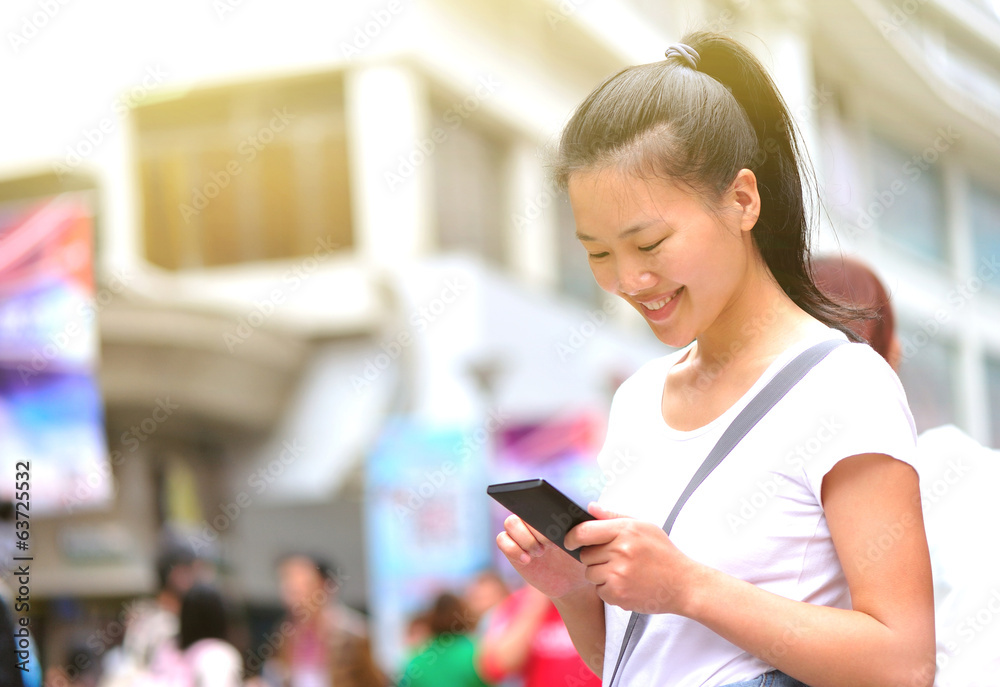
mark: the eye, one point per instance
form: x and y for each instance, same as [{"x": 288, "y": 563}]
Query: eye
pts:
[
  {"x": 597, "y": 256},
  {"x": 650, "y": 247}
]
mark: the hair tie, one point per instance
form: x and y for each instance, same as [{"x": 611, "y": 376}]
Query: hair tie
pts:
[{"x": 685, "y": 52}]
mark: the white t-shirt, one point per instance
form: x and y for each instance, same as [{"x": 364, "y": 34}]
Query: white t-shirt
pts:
[
  {"x": 958, "y": 480},
  {"x": 758, "y": 516}
]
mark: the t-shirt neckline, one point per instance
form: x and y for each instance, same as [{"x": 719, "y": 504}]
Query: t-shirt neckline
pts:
[{"x": 724, "y": 420}]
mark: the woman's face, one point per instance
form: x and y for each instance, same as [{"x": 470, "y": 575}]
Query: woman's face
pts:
[{"x": 657, "y": 245}]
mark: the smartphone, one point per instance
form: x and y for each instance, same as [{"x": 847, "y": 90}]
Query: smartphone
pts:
[{"x": 543, "y": 507}]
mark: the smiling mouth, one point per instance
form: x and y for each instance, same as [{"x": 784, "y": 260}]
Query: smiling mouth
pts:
[{"x": 656, "y": 305}]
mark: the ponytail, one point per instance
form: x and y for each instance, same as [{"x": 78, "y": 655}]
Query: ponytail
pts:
[{"x": 699, "y": 120}]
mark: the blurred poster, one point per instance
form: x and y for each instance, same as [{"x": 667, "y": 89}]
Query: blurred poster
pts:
[
  {"x": 427, "y": 524},
  {"x": 562, "y": 451},
  {"x": 51, "y": 412}
]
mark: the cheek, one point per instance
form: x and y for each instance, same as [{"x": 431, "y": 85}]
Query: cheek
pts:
[{"x": 604, "y": 274}]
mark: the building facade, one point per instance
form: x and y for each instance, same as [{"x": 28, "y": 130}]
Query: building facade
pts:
[{"x": 326, "y": 215}]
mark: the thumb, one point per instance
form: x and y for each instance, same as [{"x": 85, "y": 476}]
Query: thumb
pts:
[{"x": 602, "y": 513}]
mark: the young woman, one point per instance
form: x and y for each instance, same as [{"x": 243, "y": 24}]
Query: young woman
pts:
[{"x": 802, "y": 557}]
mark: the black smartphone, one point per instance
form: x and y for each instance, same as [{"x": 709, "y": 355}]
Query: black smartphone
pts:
[{"x": 543, "y": 507}]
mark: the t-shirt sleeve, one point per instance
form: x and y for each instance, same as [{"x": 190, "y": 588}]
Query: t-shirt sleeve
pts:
[{"x": 864, "y": 409}]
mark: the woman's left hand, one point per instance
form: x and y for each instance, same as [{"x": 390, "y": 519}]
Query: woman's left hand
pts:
[{"x": 633, "y": 563}]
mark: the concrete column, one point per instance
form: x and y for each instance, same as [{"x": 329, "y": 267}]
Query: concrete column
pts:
[
  {"x": 532, "y": 222},
  {"x": 390, "y": 161},
  {"x": 785, "y": 50},
  {"x": 971, "y": 393}
]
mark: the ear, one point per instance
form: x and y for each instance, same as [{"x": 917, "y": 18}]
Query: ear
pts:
[{"x": 746, "y": 196}]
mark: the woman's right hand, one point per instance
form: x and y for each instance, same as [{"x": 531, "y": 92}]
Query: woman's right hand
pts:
[{"x": 541, "y": 563}]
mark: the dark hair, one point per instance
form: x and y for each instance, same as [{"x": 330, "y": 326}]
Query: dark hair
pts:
[
  {"x": 449, "y": 616},
  {"x": 700, "y": 127},
  {"x": 854, "y": 284},
  {"x": 325, "y": 566},
  {"x": 172, "y": 554},
  {"x": 203, "y": 615}
]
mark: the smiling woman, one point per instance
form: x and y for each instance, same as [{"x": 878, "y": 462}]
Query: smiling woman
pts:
[{"x": 684, "y": 218}]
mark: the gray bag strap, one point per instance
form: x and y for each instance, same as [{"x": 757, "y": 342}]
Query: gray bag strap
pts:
[{"x": 757, "y": 408}]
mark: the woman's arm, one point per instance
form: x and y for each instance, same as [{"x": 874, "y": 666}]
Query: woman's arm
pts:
[
  {"x": 551, "y": 571},
  {"x": 505, "y": 649},
  {"x": 583, "y": 613},
  {"x": 872, "y": 505}
]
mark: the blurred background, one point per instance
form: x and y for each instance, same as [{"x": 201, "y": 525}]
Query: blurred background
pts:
[{"x": 292, "y": 276}]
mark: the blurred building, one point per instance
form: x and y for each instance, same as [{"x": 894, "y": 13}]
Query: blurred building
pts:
[{"x": 315, "y": 216}]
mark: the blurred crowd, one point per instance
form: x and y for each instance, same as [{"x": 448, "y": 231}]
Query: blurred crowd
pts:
[{"x": 191, "y": 635}]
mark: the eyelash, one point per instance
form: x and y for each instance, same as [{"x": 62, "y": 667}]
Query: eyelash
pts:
[{"x": 644, "y": 249}]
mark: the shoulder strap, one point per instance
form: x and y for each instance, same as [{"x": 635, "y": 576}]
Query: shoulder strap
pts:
[{"x": 758, "y": 407}]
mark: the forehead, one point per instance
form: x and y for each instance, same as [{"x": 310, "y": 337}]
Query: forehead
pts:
[{"x": 607, "y": 197}]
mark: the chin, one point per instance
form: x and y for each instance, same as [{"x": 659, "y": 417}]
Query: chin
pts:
[{"x": 672, "y": 339}]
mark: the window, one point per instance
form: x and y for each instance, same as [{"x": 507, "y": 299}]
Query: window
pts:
[
  {"x": 927, "y": 370},
  {"x": 243, "y": 173},
  {"x": 907, "y": 202},
  {"x": 984, "y": 217},
  {"x": 469, "y": 169}
]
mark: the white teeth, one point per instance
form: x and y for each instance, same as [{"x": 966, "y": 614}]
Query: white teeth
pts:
[{"x": 656, "y": 305}]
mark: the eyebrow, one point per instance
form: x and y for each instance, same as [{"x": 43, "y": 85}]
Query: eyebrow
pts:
[{"x": 634, "y": 229}]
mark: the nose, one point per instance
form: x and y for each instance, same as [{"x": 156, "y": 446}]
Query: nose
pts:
[{"x": 634, "y": 278}]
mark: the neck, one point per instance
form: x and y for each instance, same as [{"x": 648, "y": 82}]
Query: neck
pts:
[{"x": 758, "y": 323}]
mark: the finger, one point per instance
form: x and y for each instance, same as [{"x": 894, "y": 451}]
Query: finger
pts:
[
  {"x": 602, "y": 513},
  {"x": 523, "y": 535},
  {"x": 593, "y": 533},
  {"x": 597, "y": 575},
  {"x": 511, "y": 550},
  {"x": 595, "y": 555}
]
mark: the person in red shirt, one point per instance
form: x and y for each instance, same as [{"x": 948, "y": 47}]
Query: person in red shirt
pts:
[{"x": 526, "y": 637}]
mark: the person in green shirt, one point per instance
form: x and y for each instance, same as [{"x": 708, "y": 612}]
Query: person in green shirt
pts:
[{"x": 447, "y": 658}]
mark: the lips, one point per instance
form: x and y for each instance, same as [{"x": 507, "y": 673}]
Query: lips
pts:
[
  {"x": 661, "y": 308},
  {"x": 656, "y": 305}
]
